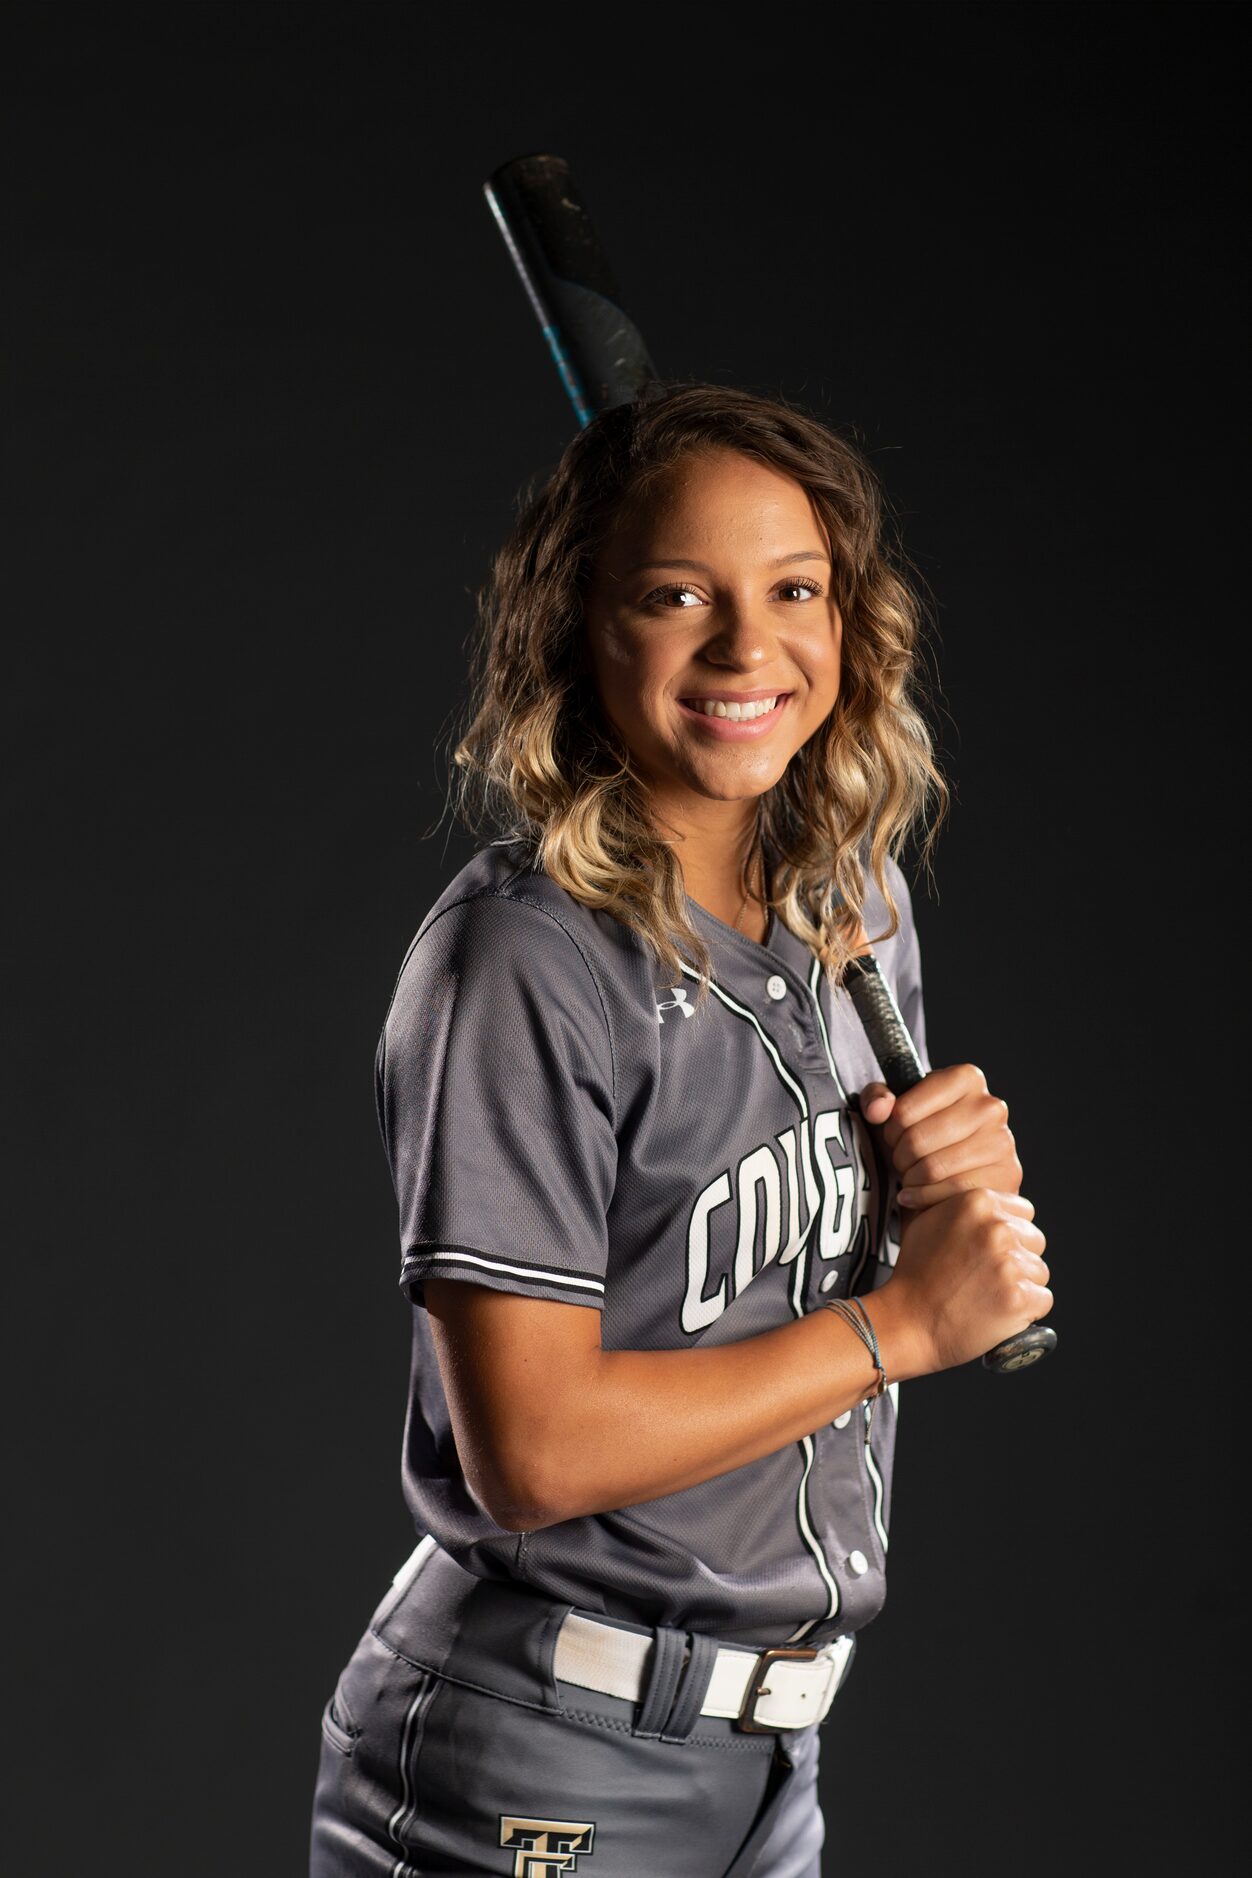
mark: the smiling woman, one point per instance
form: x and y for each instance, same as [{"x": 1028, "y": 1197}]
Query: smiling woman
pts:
[
  {"x": 700, "y": 548},
  {"x": 639, "y": 1147}
]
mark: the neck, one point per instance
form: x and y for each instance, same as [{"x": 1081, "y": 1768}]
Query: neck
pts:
[{"x": 715, "y": 844}]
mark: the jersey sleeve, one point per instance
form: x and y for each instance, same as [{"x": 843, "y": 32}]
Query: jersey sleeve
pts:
[{"x": 495, "y": 1089}]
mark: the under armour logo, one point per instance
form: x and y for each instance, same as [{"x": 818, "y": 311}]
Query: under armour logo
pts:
[
  {"x": 545, "y": 1847},
  {"x": 677, "y": 1003}
]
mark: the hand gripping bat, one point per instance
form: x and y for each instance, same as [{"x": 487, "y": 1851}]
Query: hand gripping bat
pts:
[{"x": 603, "y": 362}]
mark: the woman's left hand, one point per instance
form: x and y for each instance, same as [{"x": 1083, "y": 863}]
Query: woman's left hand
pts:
[{"x": 944, "y": 1135}]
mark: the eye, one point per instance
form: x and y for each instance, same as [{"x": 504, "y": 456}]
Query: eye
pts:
[
  {"x": 674, "y": 599},
  {"x": 799, "y": 590}
]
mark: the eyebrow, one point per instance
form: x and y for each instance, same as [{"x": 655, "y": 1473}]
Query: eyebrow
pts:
[{"x": 702, "y": 567}]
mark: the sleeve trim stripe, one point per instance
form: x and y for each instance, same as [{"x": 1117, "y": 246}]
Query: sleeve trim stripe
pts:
[{"x": 535, "y": 1273}]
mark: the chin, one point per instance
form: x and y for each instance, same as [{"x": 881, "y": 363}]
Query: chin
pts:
[{"x": 721, "y": 787}]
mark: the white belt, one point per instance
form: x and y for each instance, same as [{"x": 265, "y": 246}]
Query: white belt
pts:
[
  {"x": 762, "y": 1691},
  {"x": 784, "y": 1688}
]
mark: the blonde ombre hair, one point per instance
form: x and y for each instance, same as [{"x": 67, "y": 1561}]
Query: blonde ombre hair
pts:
[{"x": 541, "y": 762}]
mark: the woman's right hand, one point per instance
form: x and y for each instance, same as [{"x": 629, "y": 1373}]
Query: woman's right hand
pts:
[{"x": 970, "y": 1272}]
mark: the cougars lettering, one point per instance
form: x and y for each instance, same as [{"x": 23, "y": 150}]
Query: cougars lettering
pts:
[{"x": 824, "y": 1175}]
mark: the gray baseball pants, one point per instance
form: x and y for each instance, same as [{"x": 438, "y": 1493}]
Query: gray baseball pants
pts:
[{"x": 449, "y": 1748}]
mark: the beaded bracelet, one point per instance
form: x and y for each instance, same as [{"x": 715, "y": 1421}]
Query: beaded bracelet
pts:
[{"x": 854, "y": 1313}]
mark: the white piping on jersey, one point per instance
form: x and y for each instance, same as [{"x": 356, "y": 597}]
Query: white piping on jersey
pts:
[
  {"x": 807, "y": 1533},
  {"x": 407, "y": 1809},
  {"x": 811, "y": 1191},
  {"x": 741, "y": 1010},
  {"x": 517, "y": 1271},
  {"x": 814, "y": 981},
  {"x": 877, "y": 1479},
  {"x": 894, "y": 1387},
  {"x": 814, "y": 978},
  {"x": 893, "y": 1390},
  {"x": 812, "y": 1541}
]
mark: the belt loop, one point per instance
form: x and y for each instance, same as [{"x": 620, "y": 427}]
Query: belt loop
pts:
[
  {"x": 692, "y": 1690},
  {"x": 664, "y": 1668}
]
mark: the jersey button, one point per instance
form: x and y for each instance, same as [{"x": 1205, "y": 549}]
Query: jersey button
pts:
[
  {"x": 858, "y": 1563},
  {"x": 776, "y": 988}
]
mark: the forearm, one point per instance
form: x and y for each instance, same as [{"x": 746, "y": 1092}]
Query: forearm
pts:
[
  {"x": 550, "y": 1427},
  {"x": 624, "y": 1426}
]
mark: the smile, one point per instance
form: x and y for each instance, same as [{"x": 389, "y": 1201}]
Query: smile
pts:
[{"x": 736, "y": 718}]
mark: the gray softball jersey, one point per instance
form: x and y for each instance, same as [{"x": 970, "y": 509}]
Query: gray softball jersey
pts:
[{"x": 564, "y": 1122}]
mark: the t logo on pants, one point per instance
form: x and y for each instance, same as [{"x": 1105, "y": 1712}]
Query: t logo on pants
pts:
[{"x": 545, "y": 1847}]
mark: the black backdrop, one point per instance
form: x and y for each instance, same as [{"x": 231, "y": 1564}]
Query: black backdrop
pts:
[{"x": 271, "y": 390}]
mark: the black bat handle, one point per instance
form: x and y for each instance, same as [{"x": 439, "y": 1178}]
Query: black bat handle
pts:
[{"x": 901, "y": 1067}]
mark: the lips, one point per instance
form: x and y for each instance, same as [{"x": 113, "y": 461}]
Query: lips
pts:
[{"x": 735, "y": 715}]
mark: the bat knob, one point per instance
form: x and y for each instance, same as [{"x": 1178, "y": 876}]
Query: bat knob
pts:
[{"x": 1021, "y": 1351}]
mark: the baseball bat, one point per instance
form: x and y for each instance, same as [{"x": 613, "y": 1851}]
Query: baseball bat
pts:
[
  {"x": 597, "y": 350},
  {"x": 901, "y": 1068},
  {"x": 602, "y": 361}
]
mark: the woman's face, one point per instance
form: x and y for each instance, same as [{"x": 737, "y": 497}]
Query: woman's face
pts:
[{"x": 712, "y": 632}]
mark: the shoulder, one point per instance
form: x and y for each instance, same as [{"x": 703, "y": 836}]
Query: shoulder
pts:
[
  {"x": 501, "y": 903},
  {"x": 877, "y": 915},
  {"x": 898, "y": 956},
  {"x": 503, "y": 934}
]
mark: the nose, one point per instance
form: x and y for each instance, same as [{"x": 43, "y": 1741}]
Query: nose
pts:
[{"x": 741, "y": 640}]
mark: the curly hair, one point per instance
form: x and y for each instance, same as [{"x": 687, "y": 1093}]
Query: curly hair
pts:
[{"x": 541, "y": 763}]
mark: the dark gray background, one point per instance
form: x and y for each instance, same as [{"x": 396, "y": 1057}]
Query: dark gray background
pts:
[{"x": 270, "y": 390}]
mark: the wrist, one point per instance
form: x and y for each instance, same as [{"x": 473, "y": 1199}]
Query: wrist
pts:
[{"x": 903, "y": 1336}]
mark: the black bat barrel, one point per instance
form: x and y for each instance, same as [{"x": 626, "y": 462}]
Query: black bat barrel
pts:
[
  {"x": 597, "y": 350},
  {"x": 901, "y": 1068}
]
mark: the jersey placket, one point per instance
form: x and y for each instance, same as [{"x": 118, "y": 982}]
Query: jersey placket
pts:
[
  {"x": 800, "y": 1035},
  {"x": 812, "y": 1054}
]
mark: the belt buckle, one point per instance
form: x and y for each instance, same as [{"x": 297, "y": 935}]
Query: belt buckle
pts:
[{"x": 757, "y": 1688}]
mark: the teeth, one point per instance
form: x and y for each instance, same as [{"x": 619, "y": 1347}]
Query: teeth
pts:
[{"x": 738, "y": 713}]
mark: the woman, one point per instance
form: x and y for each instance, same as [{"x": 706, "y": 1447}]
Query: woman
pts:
[{"x": 639, "y": 1142}]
